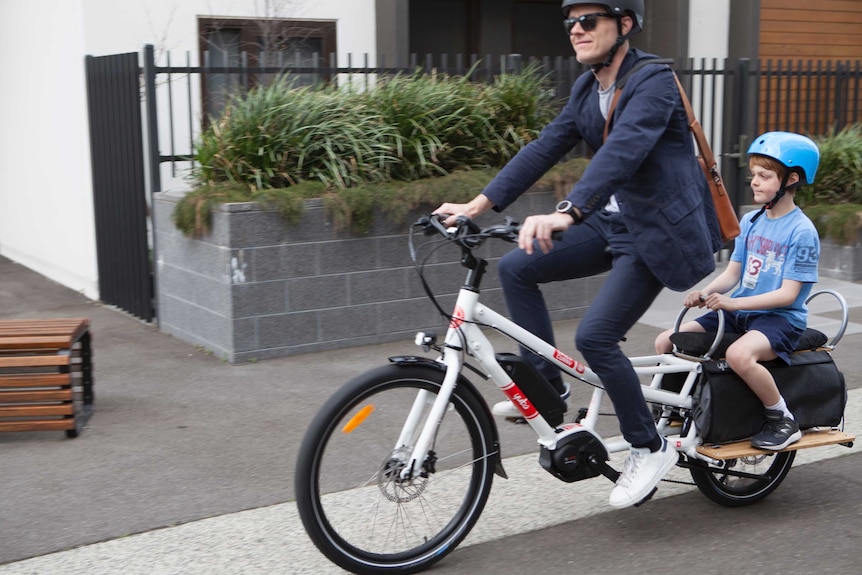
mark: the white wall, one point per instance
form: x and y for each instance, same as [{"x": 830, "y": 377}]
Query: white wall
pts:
[
  {"x": 171, "y": 26},
  {"x": 708, "y": 28},
  {"x": 46, "y": 207},
  {"x": 121, "y": 26},
  {"x": 708, "y": 39}
]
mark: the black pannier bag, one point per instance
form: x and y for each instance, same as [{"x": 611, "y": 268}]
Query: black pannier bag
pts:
[{"x": 725, "y": 409}]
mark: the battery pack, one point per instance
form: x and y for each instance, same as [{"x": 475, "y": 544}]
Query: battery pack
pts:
[{"x": 538, "y": 390}]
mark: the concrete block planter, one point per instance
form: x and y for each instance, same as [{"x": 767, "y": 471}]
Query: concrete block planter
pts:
[
  {"x": 840, "y": 261},
  {"x": 256, "y": 288}
]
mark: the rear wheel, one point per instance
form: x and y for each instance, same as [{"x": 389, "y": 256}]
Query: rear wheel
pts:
[
  {"x": 765, "y": 474},
  {"x": 354, "y": 503}
]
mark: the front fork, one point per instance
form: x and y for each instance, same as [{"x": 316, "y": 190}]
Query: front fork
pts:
[{"x": 452, "y": 360}]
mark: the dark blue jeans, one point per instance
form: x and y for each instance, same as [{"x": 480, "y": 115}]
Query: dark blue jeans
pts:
[{"x": 600, "y": 244}]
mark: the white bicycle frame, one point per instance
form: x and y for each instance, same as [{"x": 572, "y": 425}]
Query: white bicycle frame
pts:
[{"x": 466, "y": 336}]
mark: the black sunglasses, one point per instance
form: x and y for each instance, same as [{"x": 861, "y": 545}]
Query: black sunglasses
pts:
[{"x": 588, "y": 22}]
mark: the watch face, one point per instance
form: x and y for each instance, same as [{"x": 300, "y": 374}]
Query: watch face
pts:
[{"x": 564, "y": 206}]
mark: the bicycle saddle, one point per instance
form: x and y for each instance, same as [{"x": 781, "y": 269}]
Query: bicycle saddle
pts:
[{"x": 698, "y": 343}]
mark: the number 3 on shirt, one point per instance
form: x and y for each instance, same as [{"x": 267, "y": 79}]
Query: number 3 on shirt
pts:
[{"x": 752, "y": 270}]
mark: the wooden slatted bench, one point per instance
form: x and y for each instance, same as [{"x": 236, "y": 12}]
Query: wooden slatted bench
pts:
[{"x": 46, "y": 375}]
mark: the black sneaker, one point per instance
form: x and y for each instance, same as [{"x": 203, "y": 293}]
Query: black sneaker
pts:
[{"x": 778, "y": 432}]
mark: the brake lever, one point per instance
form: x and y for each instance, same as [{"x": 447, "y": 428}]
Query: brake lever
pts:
[{"x": 432, "y": 224}]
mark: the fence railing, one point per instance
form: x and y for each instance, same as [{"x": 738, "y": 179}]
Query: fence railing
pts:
[
  {"x": 808, "y": 97},
  {"x": 731, "y": 99}
]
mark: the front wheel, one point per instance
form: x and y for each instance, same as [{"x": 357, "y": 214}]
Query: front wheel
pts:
[
  {"x": 351, "y": 497},
  {"x": 765, "y": 474}
]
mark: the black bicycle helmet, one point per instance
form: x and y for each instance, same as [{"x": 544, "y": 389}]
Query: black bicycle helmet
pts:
[
  {"x": 620, "y": 8},
  {"x": 634, "y": 8}
]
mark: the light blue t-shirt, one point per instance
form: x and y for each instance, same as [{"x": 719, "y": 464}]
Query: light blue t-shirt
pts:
[{"x": 771, "y": 250}]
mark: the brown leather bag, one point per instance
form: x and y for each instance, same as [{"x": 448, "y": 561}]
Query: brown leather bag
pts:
[{"x": 728, "y": 222}]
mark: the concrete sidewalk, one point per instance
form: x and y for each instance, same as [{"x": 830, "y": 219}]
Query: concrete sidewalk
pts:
[{"x": 196, "y": 455}]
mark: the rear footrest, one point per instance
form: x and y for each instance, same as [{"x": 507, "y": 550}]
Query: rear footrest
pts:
[{"x": 812, "y": 438}]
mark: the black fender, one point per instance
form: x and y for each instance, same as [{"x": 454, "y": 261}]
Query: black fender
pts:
[{"x": 466, "y": 386}]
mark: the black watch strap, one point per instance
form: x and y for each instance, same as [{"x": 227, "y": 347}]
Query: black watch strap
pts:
[{"x": 566, "y": 207}]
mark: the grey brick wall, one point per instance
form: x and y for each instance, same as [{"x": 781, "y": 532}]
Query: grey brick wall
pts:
[
  {"x": 255, "y": 288},
  {"x": 840, "y": 262}
]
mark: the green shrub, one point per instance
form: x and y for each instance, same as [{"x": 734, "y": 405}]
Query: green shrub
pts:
[
  {"x": 438, "y": 121},
  {"x": 193, "y": 214},
  {"x": 839, "y": 176},
  {"x": 839, "y": 223},
  {"x": 355, "y": 207},
  {"x": 834, "y": 201},
  {"x": 278, "y": 137}
]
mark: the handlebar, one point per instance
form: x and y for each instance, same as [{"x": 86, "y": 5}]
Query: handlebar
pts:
[
  {"x": 719, "y": 334},
  {"x": 466, "y": 233},
  {"x": 845, "y": 316}
]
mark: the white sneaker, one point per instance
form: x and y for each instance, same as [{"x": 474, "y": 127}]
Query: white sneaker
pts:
[
  {"x": 642, "y": 471},
  {"x": 509, "y": 410}
]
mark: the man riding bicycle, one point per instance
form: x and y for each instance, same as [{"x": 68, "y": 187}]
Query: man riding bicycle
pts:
[{"x": 642, "y": 212}]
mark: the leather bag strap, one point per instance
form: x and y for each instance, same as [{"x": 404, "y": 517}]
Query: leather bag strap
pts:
[{"x": 621, "y": 83}]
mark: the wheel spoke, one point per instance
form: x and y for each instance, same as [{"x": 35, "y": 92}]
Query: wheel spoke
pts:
[
  {"x": 765, "y": 473},
  {"x": 352, "y": 498}
]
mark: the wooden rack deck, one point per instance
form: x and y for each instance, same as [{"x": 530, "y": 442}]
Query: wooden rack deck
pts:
[{"x": 809, "y": 439}]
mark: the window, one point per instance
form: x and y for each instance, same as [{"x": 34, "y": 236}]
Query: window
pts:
[{"x": 253, "y": 43}]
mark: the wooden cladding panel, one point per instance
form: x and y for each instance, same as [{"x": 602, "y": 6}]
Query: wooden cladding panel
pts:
[{"x": 805, "y": 30}]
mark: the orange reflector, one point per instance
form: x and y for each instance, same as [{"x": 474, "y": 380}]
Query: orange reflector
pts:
[{"x": 357, "y": 419}]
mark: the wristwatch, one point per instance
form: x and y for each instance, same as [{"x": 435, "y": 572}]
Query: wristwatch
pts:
[{"x": 566, "y": 207}]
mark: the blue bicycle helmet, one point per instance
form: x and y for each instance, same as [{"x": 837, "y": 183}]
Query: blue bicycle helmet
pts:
[{"x": 794, "y": 151}]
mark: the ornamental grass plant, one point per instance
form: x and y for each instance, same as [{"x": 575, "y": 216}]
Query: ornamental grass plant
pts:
[
  {"x": 834, "y": 201},
  {"x": 363, "y": 150}
]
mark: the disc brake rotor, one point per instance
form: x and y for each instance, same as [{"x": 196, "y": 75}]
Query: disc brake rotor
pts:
[{"x": 392, "y": 486}]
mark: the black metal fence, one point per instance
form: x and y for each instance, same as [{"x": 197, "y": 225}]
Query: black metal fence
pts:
[
  {"x": 119, "y": 198},
  {"x": 808, "y": 97},
  {"x": 734, "y": 100}
]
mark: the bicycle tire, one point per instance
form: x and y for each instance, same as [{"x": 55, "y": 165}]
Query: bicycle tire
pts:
[
  {"x": 732, "y": 491},
  {"x": 351, "y": 504}
]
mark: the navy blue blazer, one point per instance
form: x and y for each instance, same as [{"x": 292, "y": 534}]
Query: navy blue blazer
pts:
[{"x": 648, "y": 163}]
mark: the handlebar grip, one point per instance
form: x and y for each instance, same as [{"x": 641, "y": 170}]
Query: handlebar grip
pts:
[{"x": 465, "y": 222}]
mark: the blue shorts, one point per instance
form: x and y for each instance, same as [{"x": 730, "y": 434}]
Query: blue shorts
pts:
[{"x": 781, "y": 333}]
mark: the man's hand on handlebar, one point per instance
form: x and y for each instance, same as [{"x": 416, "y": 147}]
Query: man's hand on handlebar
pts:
[
  {"x": 475, "y": 207},
  {"x": 541, "y": 228}
]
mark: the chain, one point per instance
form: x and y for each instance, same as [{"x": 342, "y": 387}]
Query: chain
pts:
[{"x": 679, "y": 482}]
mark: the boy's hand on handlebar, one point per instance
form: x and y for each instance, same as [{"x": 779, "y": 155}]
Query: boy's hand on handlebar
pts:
[
  {"x": 716, "y": 301},
  {"x": 694, "y": 299},
  {"x": 540, "y": 229}
]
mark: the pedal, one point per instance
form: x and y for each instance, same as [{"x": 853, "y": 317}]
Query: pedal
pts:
[{"x": 647, "y": 498}]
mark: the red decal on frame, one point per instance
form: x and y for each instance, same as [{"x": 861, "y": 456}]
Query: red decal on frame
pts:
[
  {"x": 457, "y": 317},
  {"x": 516, "y": 396}
]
